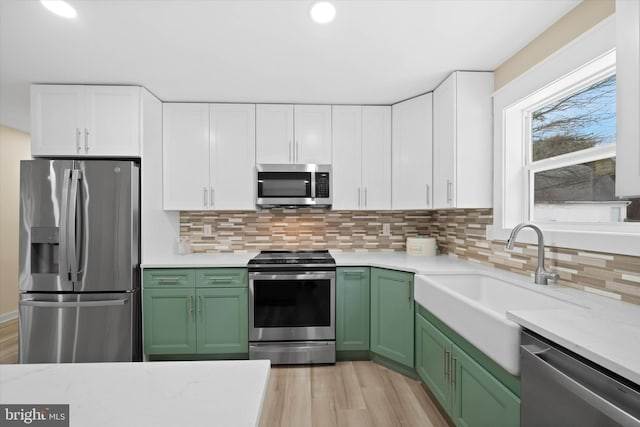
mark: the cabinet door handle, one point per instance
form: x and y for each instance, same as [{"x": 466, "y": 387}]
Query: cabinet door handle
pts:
[
  {"x": 206, "y": 198},
  {"x": 449, "y": 192},
  {"x": 365, "y": 197},
  {"x": 86, "y": 141},
  {"x": 296, "y": 152},
  {"x": 408, "y": 291},
  {"x": 354, "y": 273},
  {"x": 454, "y": 362},
  {"x": 290, "y": 152},
  {"x": 358, "y": 196},
  {"x": 212, "y": 197},
  {"x": 168, "y": 279},
  {"x": 445, "y": 357},
  {"x": 428, "y": 200},
  {"x": 220, "y": 279},
  {"x": 191, "y": 305},
  {"x": 200, "y": 304},
  {"x": 78, "y": 140}
]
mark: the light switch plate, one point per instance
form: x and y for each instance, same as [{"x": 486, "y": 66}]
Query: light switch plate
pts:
[{"x": 206, "y": 230}]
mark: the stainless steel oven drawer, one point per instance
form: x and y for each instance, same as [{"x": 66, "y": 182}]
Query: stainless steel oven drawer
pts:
[{"x": 294, "y": 352}]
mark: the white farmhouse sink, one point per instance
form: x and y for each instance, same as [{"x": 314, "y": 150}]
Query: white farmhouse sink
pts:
[{"x": 476, "y": 305}]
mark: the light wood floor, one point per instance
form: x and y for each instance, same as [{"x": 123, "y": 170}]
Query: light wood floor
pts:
[
  {"x": 9, "y": 341},
  {"x": 347, "y": 394}
]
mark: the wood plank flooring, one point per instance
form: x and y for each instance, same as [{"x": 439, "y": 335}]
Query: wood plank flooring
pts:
[
  {"x": 347, "y": 394},
  {"x": 350, "y": 394},
  {"x": 9, "y": 341}
]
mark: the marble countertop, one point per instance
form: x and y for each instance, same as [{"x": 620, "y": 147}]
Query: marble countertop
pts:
[
  {"x": 153, "y": 394},
  {"x": 606, "y": 331}
]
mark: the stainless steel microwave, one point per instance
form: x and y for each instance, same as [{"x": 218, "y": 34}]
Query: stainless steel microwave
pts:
[{"x": 294, "y": 185}]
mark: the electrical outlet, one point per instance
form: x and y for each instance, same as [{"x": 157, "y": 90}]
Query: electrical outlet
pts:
[
  {"x": 207, "y": 230},
  {"x": 386, "y": 230}
]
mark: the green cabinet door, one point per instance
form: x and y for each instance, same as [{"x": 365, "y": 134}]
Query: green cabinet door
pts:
[
  {"x": 169, "y": 321},
  {"x": 352, "y": 308},
  {"x": 392, "y": 315},
  {"x": 223, "y": 325},
  {"x": 432, "y": 360},
  {"x": 479, "y": 399}
]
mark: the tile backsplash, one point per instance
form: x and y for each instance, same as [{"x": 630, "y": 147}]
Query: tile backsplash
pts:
[{"x": 459, "y": 232}]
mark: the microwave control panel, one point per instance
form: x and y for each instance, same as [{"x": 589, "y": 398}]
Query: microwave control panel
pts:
[{"x": 322, "y": 185}]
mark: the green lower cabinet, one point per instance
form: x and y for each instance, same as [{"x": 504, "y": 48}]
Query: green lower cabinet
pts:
[
  {"x": 468, "y": 392},
  {"x": 169, "y": 321},
  {"x": 352, "y": 309},
  {"x": 479, "y": 399},
  {"x": 392, "y": 315},
  {"x": 222, "y": 320},
  {"x": 432, "y": 358},
  {"x": 196, "y": 312}
]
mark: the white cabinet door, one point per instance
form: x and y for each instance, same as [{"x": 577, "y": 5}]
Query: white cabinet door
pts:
[
  {"x": 628, "y": 98},
  {"x": 412, "y": 153},
  {"x": 444, "y": 143},
  {"x": 347, "y": 157},
  {"x": 232, "y": 156},
  {"x": 376, "y": 157},
  {"x": 312, "y": 134},
  {"x": 185, "y": 142},
  {"x": 112, "y": 125},
  {"x": 274, "y": 133},
  {"x": 57, "y": 120},
  {"x": 462, "y": 141}
]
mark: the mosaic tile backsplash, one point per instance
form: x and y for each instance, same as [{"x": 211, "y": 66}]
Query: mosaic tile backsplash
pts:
[{"x": 459, "y": 232}]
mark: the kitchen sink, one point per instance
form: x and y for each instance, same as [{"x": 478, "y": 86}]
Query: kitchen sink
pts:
[{"x": 476, "y": 305}]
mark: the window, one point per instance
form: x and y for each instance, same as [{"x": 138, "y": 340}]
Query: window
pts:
[
  {"x": 571, "y": 156},
  {"x": 555, "y": 151}
]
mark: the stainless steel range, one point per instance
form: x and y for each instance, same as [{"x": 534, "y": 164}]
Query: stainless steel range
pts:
[{"x": 292, "y": 307}]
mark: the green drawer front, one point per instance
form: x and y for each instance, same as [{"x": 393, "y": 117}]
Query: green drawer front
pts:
[
  {"x": 222, "y": 277},
  {"x": 169, "y": 278}
]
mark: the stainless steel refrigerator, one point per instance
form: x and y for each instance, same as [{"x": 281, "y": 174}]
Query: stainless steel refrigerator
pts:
[{"x": 79, "y": 261}]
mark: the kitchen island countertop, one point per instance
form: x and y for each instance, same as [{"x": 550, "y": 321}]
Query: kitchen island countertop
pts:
[{"x": 153, "y": 394}]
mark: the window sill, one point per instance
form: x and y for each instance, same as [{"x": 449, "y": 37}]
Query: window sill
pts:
[{"x": 623, "y": 239}]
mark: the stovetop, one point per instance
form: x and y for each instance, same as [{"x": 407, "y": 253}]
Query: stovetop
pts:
[{"x": 293, "y": 257}]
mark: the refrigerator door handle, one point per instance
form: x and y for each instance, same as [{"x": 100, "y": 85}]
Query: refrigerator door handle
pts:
[
  {"x": 71, "y": 225},
  {"x": 63, "y": 261},
  {"x": 58, "y": 304}
]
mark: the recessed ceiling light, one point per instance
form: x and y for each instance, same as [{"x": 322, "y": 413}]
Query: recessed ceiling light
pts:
[
  {"x": 60, "y": 7},
  {"x": 322, "y": 12}
]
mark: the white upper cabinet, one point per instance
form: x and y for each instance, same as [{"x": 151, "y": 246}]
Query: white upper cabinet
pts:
[
  {"x": 462, "y": 141},
  {"x": 412, "y": 153},
  {"x": 293, "y": 133},
  {"x": 232, "y": 164},
  {"x": 208, "y": 156},
  {"x": 312, "y": 134},
  {"x": 76, "y": 120},
  {"x": 185, "y": 156},
  {"x": 361, "y": 157},
  {"x": 274, "y": 133},
  {"x": 376, "y": 157},
  {"x": 628, "y": 98}
]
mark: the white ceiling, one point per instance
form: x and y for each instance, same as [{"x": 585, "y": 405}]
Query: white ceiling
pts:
[{"x": 375, "y": 52}]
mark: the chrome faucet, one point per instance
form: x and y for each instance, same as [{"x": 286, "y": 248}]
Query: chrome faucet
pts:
[{"x": 541, "y": 276}]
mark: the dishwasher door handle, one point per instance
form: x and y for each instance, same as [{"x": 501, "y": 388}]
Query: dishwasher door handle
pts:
[{"x": 572, "y": 386}]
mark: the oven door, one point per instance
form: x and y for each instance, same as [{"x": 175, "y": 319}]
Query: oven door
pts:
[{"x": 292, "y": 306}]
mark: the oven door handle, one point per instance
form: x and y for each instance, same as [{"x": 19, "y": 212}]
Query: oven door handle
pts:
[
  {"x": 577, "y": 389},
  {"x": 298, "y": 275}
]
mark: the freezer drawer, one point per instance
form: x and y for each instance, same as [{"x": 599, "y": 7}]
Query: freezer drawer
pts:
[{"x": 66, "y": 328}]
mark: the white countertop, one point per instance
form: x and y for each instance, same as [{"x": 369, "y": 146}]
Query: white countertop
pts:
[
  {"x": 154, "y": 394},
  {"x": 200, "y": 260},
  {"x": 606, "y": 332}
]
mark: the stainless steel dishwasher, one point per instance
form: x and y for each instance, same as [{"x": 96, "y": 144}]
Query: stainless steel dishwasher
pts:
[{"x": 559, "y": 388}]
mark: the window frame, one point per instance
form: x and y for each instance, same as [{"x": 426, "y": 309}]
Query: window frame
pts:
[{"x": 559, "y": 74}]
